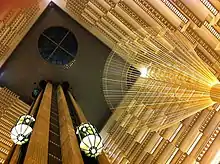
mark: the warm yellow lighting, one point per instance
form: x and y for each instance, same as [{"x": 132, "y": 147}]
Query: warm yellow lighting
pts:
[
  {"x": 175, "y": 10},
  {"x": 166, "y": 77},
  {"x": 215, "y": 93},
  {"x": 218, "y": 107},
  {"x": 155, "y": 146},
  {"x": 210, "y": 7},
  {"x": 172, "y": 156},
  {"x": 212, "y": 30},
  {"x": 144, "y": 72},
  {"x": 176, "y": 132},
  {"x": 194, "y": 143}
]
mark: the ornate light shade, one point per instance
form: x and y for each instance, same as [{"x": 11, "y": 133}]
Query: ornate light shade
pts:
[
  {"x": 21, "y": 132},
  {"x": 90, "y": 140}
]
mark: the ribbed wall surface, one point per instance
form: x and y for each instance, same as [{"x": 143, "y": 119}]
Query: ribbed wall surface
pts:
[
  {"x": 11, "y": 108},
  {"x": 194, "y": 139},
  {"x": 14, "y": 25}
]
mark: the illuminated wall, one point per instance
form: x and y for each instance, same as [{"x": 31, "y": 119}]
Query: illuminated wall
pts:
[
  {"x": 113, "y": 20},
  {"x": 14, "y": 25},
  {"x": 11, "y": 108},
  {"x": 173, "y": 83},
  {"x": 193, "y": 139}
]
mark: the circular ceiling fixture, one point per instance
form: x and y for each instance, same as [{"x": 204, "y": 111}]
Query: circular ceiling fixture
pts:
[{"x": 58, "y": 45}]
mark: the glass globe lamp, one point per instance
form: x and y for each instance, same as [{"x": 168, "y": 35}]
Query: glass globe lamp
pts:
[
  {"x": 22, "y": 130},
  {"x": 90, "y": 140}
]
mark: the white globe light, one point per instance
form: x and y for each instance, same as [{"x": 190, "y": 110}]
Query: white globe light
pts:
[
  {"x": 91, "y": 142},
  {"x": 92, "y": 145},
  {"x": 20, "y": 133},
  {"x": 20, "y": 138},
  {"x": 144, "y": 72},
  {"x": 93, "y": 151}
]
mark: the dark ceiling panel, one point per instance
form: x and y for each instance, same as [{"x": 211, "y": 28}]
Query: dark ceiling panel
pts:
[
  {"x": 26, "y": 66},
  {"x": 56, "y": 33}
]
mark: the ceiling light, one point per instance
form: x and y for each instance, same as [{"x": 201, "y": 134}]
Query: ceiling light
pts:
[
  {"x": 144, "y": 72},
  {"x": 22, "y": 130},
  {"x": 91, "y": 141}
]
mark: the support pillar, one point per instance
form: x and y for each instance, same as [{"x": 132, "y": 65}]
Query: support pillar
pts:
[
  {"x": 69, "y": 143},
  {"x": 102, "y": 158},
  {"x": 37, "y": 151},
  {"x": 14, "y": 157},
  {"x": 79, "y": 111}
]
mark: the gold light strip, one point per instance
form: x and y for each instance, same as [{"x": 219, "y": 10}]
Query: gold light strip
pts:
[
  {"x": 212, "y": 30},
  {"x": 175, "y": 10},
  {"x": 194, "y": 143},
  {"x": 210, "y": 7}
]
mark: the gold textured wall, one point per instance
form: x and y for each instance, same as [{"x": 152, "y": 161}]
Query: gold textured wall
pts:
[
  {"x": 175, "y": 85},
  {"x": 113, "y": 20},
  {"x": 193, "y": 139},
  {"x": 14, "y": 25},
  {"x": 11, "y": 108}
]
